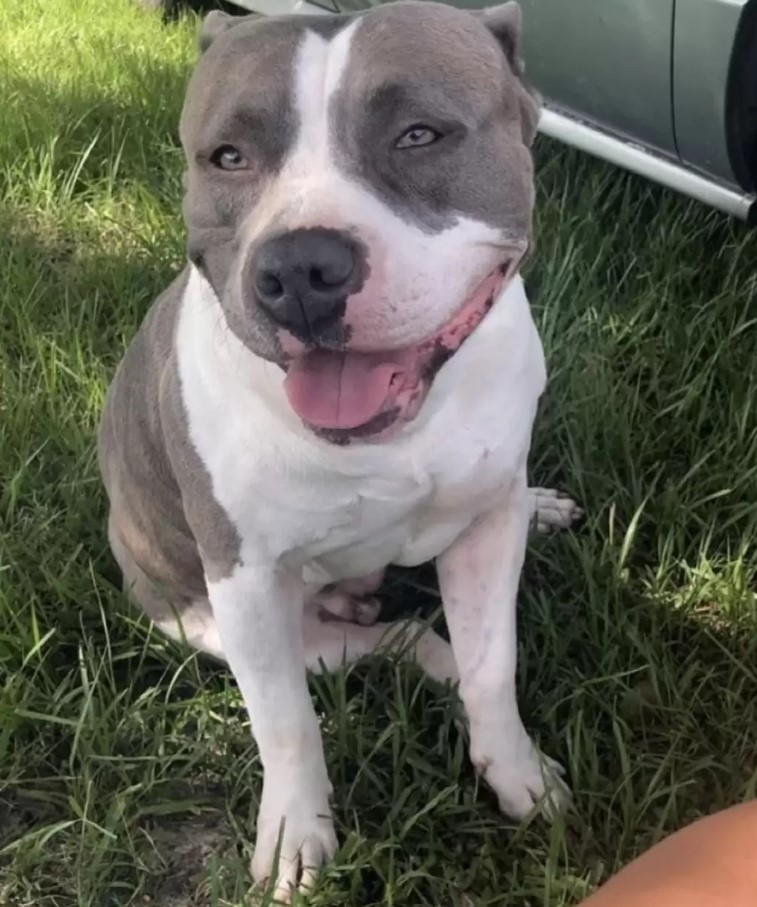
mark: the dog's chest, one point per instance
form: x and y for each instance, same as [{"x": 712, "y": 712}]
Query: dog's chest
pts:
[
  {"x": 406, "y": 514},
  {"x": 399, "y": 506},
  {"x": 345, "y": 512},
  {"x": 342, "y": 513}
]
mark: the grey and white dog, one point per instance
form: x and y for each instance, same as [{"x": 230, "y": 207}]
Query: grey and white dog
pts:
[{"x": 344, "y": 376}]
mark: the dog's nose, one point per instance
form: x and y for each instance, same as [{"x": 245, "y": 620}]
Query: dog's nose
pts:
[{"x": 302, "y": 278}]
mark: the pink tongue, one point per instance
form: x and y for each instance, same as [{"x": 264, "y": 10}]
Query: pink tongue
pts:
[{"x": 339, "y": 390}]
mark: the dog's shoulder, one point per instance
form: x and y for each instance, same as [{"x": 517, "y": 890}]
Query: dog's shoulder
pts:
[{"x": 130, "y": 432}]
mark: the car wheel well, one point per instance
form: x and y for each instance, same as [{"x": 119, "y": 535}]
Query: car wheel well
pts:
[{"x": 741, "y": 106}]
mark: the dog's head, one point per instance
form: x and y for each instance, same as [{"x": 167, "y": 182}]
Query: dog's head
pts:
[{"x": 359, "y": 190}]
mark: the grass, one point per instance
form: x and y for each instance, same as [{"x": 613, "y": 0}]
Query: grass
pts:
[{"x": 127, "y": 773}]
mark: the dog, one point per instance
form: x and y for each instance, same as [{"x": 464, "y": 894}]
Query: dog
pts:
[{"x": 344, "y": 376}]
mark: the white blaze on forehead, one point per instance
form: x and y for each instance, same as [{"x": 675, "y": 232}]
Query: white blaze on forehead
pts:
[
  {"x": 303, "y": 192},
  {"x": 319, "y": 69}
]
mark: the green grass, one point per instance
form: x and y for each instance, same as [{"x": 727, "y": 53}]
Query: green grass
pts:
[{"x": 127, "y": 773}]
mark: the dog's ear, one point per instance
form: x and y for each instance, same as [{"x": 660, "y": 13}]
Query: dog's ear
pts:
[
  {"x": 504, "y": 22},
  {"x": 213, "y": 25}
]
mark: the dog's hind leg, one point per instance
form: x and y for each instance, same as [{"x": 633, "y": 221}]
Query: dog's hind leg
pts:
[
  {"x": 193, "y": 623},
  {"x": 329, "y": 644}
]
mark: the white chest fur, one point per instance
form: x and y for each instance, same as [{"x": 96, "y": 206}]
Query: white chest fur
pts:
[{"x": 348, "y": 511}]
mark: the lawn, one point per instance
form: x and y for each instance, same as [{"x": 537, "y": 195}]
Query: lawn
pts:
[{"x": 127, "y": 772}]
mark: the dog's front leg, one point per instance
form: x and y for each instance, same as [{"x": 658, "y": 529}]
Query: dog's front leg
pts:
[
  {"x": 259, "y": 615},
  {"x": 478, "y": 578}
]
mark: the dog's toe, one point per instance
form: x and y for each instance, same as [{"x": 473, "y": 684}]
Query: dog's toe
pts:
[
  {"x": 367, "y": 611},
  {"x": 552, "y": 510},
  {"x": 300, "y": 859},
  {"x": 337, "y": 605},
  {"x": 529, "y": 783}
]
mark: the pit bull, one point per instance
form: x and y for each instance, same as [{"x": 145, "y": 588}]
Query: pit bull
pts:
[{"x": 344, "y": 376}]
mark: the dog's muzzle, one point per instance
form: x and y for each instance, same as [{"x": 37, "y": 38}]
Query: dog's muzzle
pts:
[{"x": 342, "y": 395}]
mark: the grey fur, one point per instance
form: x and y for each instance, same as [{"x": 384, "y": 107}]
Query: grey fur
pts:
[
  {"x": 214, "y": 24},
  {"x": 239, "y": 94},
  {"x": 163, "y": 514}
]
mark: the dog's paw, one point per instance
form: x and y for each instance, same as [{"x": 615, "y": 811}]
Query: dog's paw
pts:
[
  {"x": 337, "y": 605},
  {"x": 551, "y": 510},
  {"x": 367, "y": 611},
  {"x": 527, "y": 781},
  {"x": 299, "y": 831}
]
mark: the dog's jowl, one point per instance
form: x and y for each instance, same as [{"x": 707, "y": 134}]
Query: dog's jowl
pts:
[{"x": 344, "y": 376}]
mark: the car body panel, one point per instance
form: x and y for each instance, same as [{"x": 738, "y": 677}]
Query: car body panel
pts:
[
  {"x": 705, "y": 33},
  {"x": 606, "y": 61}
]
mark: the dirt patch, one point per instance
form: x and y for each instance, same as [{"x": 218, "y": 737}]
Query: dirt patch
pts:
[{"x": 184, "y": 851}]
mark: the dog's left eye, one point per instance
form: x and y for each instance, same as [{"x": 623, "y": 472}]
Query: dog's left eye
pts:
[
  {"x": 417, "y": 137},
  {"x": 228, "y": 158}
]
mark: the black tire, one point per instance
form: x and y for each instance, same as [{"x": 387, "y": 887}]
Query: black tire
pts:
[
  {"x": 168, "y": 8},
  {"x": 171, "y": 8},
  {"x": 741, "y": 105}
]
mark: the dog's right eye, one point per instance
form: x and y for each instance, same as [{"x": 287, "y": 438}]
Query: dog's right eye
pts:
[
  {"x": 227, "y": 157},
  {"x": 417, "y": 136}
]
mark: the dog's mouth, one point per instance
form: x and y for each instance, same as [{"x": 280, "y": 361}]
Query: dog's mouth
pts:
[{"x": 346, "y": 395}]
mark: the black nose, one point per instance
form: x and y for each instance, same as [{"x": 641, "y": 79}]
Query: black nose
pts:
[{"x": 302, "y": 279}]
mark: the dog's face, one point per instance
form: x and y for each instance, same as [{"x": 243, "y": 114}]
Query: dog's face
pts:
[{"x": 358, "y": 191}]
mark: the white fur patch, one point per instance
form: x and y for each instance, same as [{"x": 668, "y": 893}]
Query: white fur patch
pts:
[{"x": 319, "y": 68}]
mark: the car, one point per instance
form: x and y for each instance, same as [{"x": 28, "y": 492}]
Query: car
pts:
[{"x": 664, "y": 88}]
